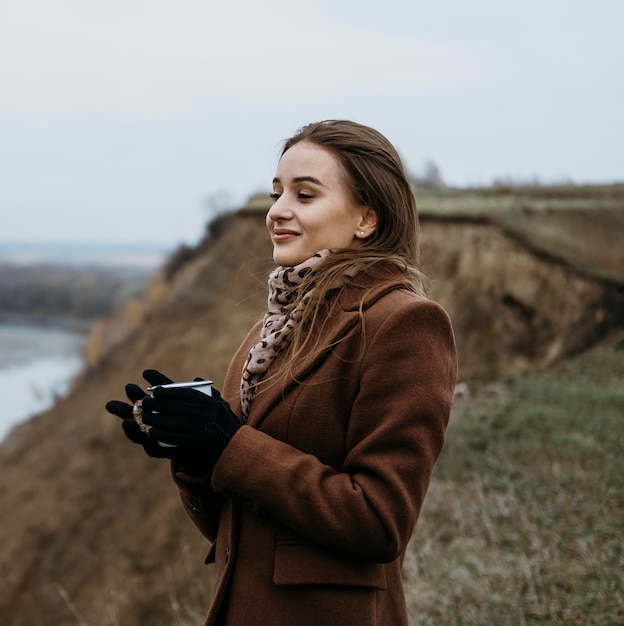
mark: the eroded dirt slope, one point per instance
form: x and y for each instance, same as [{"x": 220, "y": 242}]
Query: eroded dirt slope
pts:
[{"x": 92, "y": 531}]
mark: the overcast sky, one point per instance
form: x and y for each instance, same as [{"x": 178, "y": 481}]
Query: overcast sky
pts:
[{"x": 124, "y": 119}]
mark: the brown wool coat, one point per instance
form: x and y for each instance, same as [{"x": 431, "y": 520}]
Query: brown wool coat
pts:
[{"x": 313, "y": 502}]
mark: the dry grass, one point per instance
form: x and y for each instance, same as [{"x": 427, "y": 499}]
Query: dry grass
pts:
[
  {"x": 523, "y": 523},
  {"x": 581, "y": 226}
]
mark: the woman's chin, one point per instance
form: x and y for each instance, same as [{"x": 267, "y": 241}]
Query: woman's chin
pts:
[{"x": 289, "y": 258}]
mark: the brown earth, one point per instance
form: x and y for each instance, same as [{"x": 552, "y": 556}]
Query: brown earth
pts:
[{"x": 92, "y": 530}]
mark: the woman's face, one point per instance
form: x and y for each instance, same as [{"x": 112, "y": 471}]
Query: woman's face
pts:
[{"x": 312, "y": 208}]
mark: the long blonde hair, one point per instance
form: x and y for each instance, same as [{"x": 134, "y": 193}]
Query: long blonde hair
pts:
[{"x": 375, "y": 177}]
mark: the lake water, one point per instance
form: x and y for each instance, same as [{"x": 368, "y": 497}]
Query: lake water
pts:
[{"x": 37, "y": 365}]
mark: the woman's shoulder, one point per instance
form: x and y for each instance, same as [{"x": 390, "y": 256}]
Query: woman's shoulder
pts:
[
  {"x": 402, "y": 303},
  {"x": 385, "y": 298},
  {"x": 391, "y": 307},
  {"x": 409, "y": 322}
]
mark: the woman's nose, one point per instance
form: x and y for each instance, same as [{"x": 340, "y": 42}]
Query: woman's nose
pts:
[{"x": 279, "y": 211}]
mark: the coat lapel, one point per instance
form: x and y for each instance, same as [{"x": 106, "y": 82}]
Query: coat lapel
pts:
[{"x": 358, "y": 293}]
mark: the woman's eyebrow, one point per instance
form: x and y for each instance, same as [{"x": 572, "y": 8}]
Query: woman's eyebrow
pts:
[{"x": 302, "y": 179}]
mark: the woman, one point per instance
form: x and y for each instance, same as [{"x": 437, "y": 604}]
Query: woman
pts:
[{"x": 309, "y": 472}]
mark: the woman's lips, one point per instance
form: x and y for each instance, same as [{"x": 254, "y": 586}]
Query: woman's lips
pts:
[{"x": 284, "y": 235}]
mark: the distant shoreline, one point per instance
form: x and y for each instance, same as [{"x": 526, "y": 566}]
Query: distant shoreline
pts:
[
  {"x": 67, "y": 296},
  {"x": 56, "y": 322},
  {"x": 105, "y": 255}
]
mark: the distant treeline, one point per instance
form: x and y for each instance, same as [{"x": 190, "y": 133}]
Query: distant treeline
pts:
[{"x": 56, "y": 293}]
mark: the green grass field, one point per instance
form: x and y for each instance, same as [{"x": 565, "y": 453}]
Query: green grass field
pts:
[{"x": 524, "y": 522}]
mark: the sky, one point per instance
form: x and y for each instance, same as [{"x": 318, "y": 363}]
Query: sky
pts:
[{"x": 134, "y": 120}]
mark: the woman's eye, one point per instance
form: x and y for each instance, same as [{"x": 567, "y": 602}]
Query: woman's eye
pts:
[{"x": 302, "y": 195}]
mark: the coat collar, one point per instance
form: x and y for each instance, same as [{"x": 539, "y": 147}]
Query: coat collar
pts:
[{"x": 363, "y": 290}]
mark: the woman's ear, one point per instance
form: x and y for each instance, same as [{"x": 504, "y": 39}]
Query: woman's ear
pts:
[{"x": 367, "y": 224}]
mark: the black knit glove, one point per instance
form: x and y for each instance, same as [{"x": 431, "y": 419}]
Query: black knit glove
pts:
[
  {"x": 123, "y": 410},
  {"x": 198, "y": 425}
]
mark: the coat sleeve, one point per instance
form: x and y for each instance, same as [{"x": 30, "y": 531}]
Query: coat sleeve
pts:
[
  {"x": 367, "y": 509},
  {"x": 201, "y": 502}
]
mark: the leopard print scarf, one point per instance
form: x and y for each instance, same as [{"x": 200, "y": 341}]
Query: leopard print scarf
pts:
[{"x": 285, "y": 309}]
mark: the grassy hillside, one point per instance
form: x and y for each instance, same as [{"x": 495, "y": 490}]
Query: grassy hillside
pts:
[{"x": 523, "y": 520}]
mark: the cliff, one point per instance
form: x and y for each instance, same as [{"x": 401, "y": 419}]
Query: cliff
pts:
[{"x": 92, "y": 530}]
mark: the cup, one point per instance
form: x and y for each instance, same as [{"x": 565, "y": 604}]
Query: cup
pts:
[{"x": 205, "y": 386}]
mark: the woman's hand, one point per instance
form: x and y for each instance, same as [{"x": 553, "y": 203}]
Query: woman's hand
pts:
[
  {"x": 194, "y": 427},
  {"x": 198, "y": 425}
]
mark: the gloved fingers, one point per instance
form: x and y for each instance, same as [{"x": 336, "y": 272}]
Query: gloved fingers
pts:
[
  {"x": 169, "y": 437},
  {"x": 154, "y": 377},
  {"x": 133, "y": 432},
  {"x": 134, "y": 392},
  {"x": 174, "y": 408},
  {"x": 120, "y": 409},
  {"x": 170, "y": 423},
  {"x": 155, "y": 450}
]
